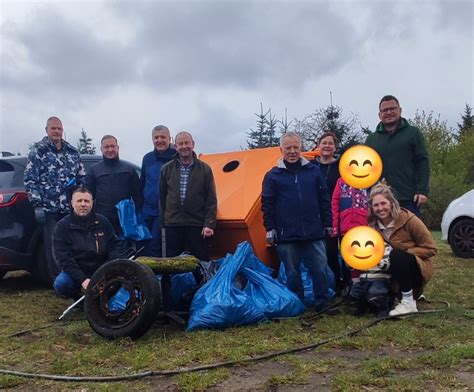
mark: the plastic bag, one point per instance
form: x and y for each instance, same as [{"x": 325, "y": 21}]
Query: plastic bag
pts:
[
  {"x": 219, "y": 303},
  {"x": 308, "y": 283},
  {"x": 131, "y": 225},
  {"x": 273, "y": 298}
]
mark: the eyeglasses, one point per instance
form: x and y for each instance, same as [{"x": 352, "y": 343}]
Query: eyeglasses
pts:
[{"x": 386, "y": 110}]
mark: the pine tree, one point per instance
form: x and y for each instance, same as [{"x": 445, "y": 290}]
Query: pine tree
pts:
[
  {"x": 467, "y": 125},
  {"x": 258, "y": 138},
  {"x": 271, "y": 139},
  {"x": 284, "y": 124},
  {"x": 85, "y": 145}
]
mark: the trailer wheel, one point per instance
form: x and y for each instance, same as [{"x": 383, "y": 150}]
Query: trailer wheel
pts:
[{"x": 140, "y": 310}]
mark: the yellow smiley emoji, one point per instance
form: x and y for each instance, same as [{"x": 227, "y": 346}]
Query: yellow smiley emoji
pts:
[
  {"x": 362, "y": 247},
  {"x": 360, "y": 166}
]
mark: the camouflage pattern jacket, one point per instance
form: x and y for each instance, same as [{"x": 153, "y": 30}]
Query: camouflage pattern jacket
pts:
[{"x": 50, "y": 173}]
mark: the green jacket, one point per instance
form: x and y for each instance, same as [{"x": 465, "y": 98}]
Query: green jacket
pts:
[
  {"x": 200, "y": 204},
  {"x": 405, "y": 159}
]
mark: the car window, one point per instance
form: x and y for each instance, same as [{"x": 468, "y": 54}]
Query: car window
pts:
[{"x": 8, "y": 176}]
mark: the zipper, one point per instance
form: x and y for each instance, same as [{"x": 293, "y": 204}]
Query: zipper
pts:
[
  {"x": 96, "y": 243},
  {"x": 301, "y": 199}
]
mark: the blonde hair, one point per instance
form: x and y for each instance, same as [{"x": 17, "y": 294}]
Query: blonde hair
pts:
[{"x": 384, "y": 190}]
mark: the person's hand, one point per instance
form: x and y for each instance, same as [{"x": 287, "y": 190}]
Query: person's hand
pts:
[
  {"x": 420, "y": 199},
  {"x": 207, "y": 232},
  {"x": 271, "y": 237},
  {"x": 39, "y": 215},
  {"x": 85, "y": 283}
]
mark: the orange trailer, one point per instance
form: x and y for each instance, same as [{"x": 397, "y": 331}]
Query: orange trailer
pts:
[{"x": 238, "y": 176}]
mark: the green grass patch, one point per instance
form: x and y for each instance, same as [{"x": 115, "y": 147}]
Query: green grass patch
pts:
[{"x": 408, "y": 354}]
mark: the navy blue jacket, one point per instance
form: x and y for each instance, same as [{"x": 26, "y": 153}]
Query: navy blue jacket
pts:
[
  {"x": 150, "y": 179},
  {"x": 296, "y": 204}
]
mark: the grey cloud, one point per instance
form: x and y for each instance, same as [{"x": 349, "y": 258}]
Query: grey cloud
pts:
[
  {"x": 67, "y": 55},
  {"x": 239, "y": 44}
]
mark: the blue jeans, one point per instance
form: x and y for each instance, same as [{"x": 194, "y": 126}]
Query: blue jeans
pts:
[
  {"x": 65, "y": 286},
  {"x": 153, "y": 247},
  {"x": 313, "y": 255}
]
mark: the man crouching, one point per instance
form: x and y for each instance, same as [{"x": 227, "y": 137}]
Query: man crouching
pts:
[{"x": 82, "y": 242}]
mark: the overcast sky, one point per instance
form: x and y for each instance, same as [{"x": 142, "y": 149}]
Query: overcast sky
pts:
[{"x": 204, "y": 66}]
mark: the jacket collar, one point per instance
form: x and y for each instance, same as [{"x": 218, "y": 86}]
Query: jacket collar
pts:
[
  {"x": 166, "y": 155},
  {"x": 65, "y": 145},
  {"x": 336, "y": 157},
  {"x": 281, "y": 164},
  {"x": 403, "y": 123}
]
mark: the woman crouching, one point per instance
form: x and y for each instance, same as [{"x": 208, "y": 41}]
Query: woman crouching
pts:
[{"x": 412, "y": 243}]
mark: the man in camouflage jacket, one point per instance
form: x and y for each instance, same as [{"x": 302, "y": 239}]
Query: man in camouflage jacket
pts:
[{"x": 54, "y": 167}]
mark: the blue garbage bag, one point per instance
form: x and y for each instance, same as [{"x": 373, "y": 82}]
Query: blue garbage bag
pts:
[
  {"x": 119, "y": 301},
  {"x": 182, "y": 286},
  {"x": 272, "y": 297},
  {"x": 132, "y": 225},
  {"x": 308, "y": 283},
  {"x": 219, "y": 303}
]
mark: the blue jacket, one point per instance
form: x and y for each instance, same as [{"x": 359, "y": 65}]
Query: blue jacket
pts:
[
  {"x": 50, "y": 175},
  {"x": 150, "y": 179},
  {"x": 296, "y": 204}
]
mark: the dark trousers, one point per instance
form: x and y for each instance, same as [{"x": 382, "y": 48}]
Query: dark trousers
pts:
[
  {"x": 411, "y": 206},
  {"x": 405, "y": 270},
  {"x": 181, "y": 239},
  {"x": 153, "y": 246},
  {"x": 50, "y": 220},
  {"x": 342, "y": 275}
]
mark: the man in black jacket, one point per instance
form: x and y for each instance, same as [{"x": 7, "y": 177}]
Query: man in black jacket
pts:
[
  {"x": 82, "y": 242},
  {"x": 113, "y": 180}
]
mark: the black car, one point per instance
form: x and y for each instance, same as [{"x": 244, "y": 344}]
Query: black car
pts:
[{"x": 21, "y": 239}]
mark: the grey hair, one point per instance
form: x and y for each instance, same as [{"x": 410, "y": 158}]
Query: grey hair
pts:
[
  {"x": 182, "y": 133},
  {"x": 160, "y": 128},
  {"x": 288, "y": 135}
]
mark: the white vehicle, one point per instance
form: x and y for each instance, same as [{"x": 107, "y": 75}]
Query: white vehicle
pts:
[{"x": 457, "y": 226}]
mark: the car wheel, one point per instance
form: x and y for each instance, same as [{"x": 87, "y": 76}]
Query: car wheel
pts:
[
  {"x": 141, "y": 309},
  {"x": 461, "y": 238},
  {"x": 41, "y": 270}
]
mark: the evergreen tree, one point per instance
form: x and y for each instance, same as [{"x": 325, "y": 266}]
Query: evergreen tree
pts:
[
  {"x": 271, "y": 138},
  {"x": 467, "y": 126},
  {"x": 284, "y": 124},
  {"x": 85, "y": 145},
  {"x": 265, "y": 133}
]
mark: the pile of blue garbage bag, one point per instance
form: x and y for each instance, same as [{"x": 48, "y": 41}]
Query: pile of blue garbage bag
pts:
[{"x": 241, "y": 292}]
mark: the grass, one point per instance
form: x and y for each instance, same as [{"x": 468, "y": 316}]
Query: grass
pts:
[{"x": 433, "y": 351}]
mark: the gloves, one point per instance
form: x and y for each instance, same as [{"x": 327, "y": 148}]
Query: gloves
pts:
[
  {"x": 39, "y": 215},
  {"x": 271, "y": 237},
  {"x": 327, "y": 232}
]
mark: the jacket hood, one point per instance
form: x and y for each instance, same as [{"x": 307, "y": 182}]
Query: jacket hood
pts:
[
  {"x": 281, "y": 164},
  {"x": 403, "y": 218},
  {"x": 403, "y": 123}
]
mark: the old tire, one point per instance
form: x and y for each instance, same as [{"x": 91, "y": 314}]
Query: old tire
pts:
[
  {"x": 461, "y": 238},
  {"x": 141, "y": 309}
]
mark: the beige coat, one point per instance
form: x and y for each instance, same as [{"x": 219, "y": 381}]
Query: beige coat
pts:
[{"x": 411, "y": 235}]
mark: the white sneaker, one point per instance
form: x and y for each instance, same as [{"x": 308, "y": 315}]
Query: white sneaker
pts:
[{"x": 404, "y": 307}]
